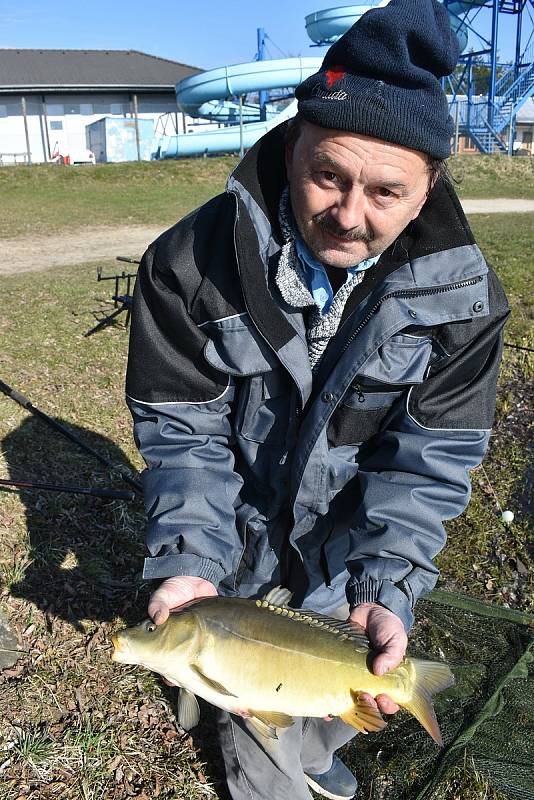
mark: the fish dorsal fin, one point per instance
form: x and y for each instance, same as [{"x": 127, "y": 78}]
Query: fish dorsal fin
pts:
[
  {"x": 362, "y": 716},
  {"x": 278, "y": 596},
  {"x": 345, "y": 629},
  {"x": 215, "y": 685},
  {"x": 188, "y": 710}
]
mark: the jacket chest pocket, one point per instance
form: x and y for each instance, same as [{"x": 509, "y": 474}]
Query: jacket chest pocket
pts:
[
  {"x": 263, "y": 407},
  {"x": 384, "y": 379},
  {"x": 264, "y": 400}
]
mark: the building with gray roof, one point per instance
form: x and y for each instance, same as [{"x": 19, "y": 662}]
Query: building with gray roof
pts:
[{"x": 49, "y": 97}]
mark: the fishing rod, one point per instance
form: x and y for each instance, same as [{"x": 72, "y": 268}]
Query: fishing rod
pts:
[
  {"x": 109, "y": 494},
  {"x": 519, "y": 347},
  {"x": 23, "y": 401}
]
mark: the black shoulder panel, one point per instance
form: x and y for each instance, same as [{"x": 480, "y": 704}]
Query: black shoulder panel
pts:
[
  {"x": 186, "y": 277},
  {"x": 460, "y": 390}
]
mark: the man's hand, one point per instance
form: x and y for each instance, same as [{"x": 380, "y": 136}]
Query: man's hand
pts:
[
  {"x": 387, "y": 635},
  {"x": 174, "y": 592}
]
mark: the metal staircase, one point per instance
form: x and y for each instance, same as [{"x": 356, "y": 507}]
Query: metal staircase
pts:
[
  {"x": 487, "y": 122},
  {"x": 490, "y": 120}
]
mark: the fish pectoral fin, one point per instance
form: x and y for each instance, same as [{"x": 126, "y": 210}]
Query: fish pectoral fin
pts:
[
  {"x": 277, "y": 719},
  {"x": 268, "y": 731},
  {"x": 362, "y": 716},
  {"x": 215, "y": 685},
  {"x": 188, "y": 710},
  {"x": 266, "y": 722}
]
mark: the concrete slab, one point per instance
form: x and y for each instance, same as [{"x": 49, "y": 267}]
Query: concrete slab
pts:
[{"x": 8, "y": 643}]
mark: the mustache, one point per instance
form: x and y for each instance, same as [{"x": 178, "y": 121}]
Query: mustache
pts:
[{"x": 326, "y": 223}]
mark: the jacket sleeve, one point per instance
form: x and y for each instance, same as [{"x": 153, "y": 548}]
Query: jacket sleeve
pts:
[
  {"x": 180, "y": 407},
  {"x": 416, "y": 475}
]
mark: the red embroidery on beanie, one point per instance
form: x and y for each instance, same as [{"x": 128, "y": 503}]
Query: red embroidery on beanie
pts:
[{"x": 334, "y": 75}]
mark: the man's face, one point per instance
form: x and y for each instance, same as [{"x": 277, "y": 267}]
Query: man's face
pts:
[{"x": 352, "y": 195}]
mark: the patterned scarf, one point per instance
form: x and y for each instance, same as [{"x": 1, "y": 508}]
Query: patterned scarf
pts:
[{"x": 292, "y": 283}]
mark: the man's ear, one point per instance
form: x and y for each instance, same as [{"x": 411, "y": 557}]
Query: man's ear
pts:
[{"x": 420, "y": 206}]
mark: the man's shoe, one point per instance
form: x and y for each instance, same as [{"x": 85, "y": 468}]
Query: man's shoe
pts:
[{"x": 337, "y": 784}]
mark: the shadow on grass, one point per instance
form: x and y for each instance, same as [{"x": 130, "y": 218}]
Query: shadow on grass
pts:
[
  {"x": 84, "y": 554},
  {"x": 204, "y": 740}
]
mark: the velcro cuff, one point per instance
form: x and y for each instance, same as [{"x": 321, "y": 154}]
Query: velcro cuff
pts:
[
  {"x": 186, "y": 564},
  {"x": 385, "y": 593}
]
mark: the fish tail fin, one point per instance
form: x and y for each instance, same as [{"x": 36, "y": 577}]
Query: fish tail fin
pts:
[{"x": 430, "y": 677}]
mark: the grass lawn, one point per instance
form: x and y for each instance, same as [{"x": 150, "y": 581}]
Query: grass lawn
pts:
[
  {"x": 72, "y": 724},
  {"x": 46, "y": 199}
]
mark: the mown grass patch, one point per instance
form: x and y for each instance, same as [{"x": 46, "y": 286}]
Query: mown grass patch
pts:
[
  {"x": 74, "y": 725},
  {"x": 47, "y": 199},
  {"x": 493, "y": 176},
  {"x": 485, "y": 557}
]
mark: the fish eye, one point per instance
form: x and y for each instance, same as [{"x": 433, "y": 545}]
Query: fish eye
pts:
[{"x": 150, "y": 627}]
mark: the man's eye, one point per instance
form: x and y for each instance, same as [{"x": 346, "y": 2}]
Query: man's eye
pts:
[
  {"x": 383, "y": 191},
  {"x": 328, "y": 176}
]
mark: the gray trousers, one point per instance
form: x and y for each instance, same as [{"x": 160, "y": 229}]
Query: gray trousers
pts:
[{"x": 258, "y": 768}]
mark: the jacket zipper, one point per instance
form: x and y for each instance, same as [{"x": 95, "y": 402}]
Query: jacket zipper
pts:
[
  {"x": 358, "y": 389},
  {"x": 408, "y": 293}
]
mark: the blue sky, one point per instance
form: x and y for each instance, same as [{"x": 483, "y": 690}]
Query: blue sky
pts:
[{"x": 204, "y": 33}]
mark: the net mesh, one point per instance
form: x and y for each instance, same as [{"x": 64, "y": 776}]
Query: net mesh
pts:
[{"x": 486, "y": 718}]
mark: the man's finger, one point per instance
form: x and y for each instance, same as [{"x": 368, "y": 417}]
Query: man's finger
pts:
[
  {"x": 386, "y": 704},
  {"x": 369, "y": 699}
]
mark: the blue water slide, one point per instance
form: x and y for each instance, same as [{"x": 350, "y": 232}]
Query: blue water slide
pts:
[
  {"x": 207, "y": 94},
  {"x": 326, "y": 26},
  {"x": 200, "y": 96}
]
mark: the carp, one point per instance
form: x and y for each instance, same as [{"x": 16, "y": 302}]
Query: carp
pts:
[{"x": 266, "y": 661}]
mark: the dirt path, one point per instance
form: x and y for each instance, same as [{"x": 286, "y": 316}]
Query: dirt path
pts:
[
  {"x": 498, "y": 205},
  {"x": 33, "y": 253}
]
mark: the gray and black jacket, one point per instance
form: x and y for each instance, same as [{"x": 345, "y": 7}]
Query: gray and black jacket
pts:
[{"x": 336, "y": 487}]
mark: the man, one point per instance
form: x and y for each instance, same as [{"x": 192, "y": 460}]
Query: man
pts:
[{"x": 312, "y": 371}]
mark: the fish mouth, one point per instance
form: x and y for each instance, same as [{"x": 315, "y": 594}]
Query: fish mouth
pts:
[{"x": 119, "y": 650}]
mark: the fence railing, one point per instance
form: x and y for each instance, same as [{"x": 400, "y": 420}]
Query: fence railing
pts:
[{"x": 9, "y": 159}]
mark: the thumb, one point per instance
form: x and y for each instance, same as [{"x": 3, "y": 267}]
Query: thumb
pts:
[
  {"x": 383, "y": 663},
  {"x": 158, "y": 609}
]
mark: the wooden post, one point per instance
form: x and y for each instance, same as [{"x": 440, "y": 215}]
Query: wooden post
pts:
[
  {"x": 48, "y": 154},
  {"x": 137, "y": 139},
  {"x": 25, "y": 116},
  {"x": 457, "y": 127}
]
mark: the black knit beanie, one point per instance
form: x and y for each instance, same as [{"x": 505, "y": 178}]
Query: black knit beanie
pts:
[{"x": 381, "y": 78}]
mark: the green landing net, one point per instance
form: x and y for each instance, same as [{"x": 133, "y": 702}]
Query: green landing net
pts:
[{"x": 486, "y": 718}]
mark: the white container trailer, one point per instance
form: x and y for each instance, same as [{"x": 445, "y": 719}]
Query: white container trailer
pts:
[{"x": 114, "y": 139}]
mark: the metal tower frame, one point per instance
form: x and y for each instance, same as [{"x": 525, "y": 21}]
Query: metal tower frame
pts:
[{"x": 490, "y": 121}]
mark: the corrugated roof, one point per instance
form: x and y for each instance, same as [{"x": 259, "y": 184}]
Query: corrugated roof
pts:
[{"x": 88, "y": 69}]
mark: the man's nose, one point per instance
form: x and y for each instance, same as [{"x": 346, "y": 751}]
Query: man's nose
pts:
[{"x": 349, "y": 212}]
